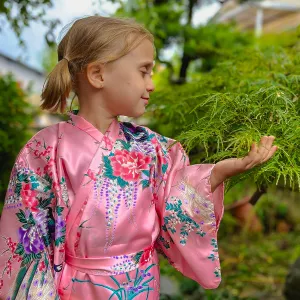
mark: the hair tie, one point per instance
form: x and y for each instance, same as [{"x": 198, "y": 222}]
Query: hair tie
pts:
[{"x": 66, "y": 59}]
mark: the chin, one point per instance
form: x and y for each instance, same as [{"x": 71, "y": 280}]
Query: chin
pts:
[{"x": 135, "y": 114}]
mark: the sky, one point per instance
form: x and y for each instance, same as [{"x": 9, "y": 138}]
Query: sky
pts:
[{"x": 66, "y": 11}]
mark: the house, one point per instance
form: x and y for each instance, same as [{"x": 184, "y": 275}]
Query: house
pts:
[
  {"x": 261, "y": 16},
  {"x": 30, "y": 79}
]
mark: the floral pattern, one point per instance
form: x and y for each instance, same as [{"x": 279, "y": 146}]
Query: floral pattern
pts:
[
  {"x": 128, "y": 165},
  {"x": 129, "y": 289},
  {"x": 136, "y": 184},
  {"x": 179, "y": 216},
  {"x": 35, "y": 217}
]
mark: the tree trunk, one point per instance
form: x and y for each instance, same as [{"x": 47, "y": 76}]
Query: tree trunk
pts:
[
  {"x": 186, "y": 59},
  {"x": 158, "y": 2}
]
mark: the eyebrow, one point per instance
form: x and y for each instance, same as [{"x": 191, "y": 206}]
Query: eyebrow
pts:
[{"x": 147, "y": 64}]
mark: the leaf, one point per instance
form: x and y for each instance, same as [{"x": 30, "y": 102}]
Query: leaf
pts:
[
  {"x": 32, "y": 178},
  {"x": 44, "y": 203},
  {"x": 47, "y": 188},
  {"x": 18, "y": 188},
  {"x": 27, "y": 259},
  {"x": 19, "y": 279},
  {"x": 48, "y": 178},
  {"x": 28, "y": 285},
  {"x": 20, "y": 249},
  {"x": 164, "y": 168},
  {"x": 122, "y": 183},
  {"x": 59, "y": 210},
  {"x": 125, "y": 145},
  {"x": 46, "y": 266},
  {"x": 31, "y": 220},
  {"x": 22, "y": 177},
  {"x": 145, "y": 183},
  {"x": 146, "y": 172},
  {"x": 108, "y": 168},
  {"x": 151, "y": 136},
  {"x": 51, "y": 222},
  {"x": 35, "y": 185},
  {"x": 109, "y": 173},
  {"x": 60, "y": 240},
  {"x": 138, "y": 256},
  {"x": 170, "y": 206},
  {"x": 21, "y": 216},
  {"x": 47, "y": 239}
]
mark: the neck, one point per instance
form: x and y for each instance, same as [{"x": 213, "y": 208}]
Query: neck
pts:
[{"x": 98, "y": 118}]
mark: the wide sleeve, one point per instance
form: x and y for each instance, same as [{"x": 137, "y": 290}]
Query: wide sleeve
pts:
[
  {"x": 27, "y": 226},
  {"x": 190, "y": 216}
]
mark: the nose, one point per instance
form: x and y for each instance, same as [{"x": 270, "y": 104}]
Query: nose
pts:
[{"x": 150, "y": 86}]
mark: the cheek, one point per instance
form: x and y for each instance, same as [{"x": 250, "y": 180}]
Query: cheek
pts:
[{"x": 122, "y": 84}]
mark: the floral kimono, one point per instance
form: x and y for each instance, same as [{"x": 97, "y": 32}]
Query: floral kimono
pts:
[{"x": 86, "y": 214}]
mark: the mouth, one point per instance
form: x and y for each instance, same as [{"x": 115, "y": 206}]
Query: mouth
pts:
[{"x": 146, "y": 100}]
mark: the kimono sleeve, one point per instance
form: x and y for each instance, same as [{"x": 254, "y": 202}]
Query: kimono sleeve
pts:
[
  {"x": 190, "y": 215},
  {"x": 27, "y": 228}
]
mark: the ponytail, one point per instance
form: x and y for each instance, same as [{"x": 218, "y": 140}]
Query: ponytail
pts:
[{"x": 57, "y": 87}]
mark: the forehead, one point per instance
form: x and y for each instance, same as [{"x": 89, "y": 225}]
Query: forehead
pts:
[{"x": 143, "y": 53}]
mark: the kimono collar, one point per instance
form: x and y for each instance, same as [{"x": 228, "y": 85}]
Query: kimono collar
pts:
[{"x": 113, "y": 132}]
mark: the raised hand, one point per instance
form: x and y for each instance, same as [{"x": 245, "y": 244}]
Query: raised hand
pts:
[{"x": 258, "y": 154}]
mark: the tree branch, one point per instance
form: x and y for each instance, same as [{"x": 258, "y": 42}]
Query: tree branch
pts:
[{"x": 258, "y": 193}]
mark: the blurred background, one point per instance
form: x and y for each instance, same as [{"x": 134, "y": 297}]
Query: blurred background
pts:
[{"x": 226, "y": 73}]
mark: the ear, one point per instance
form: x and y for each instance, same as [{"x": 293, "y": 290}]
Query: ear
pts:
[{"x": 94, "y": 73}]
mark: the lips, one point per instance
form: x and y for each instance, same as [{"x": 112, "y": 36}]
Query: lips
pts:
[{"x": 146, "y": 100}]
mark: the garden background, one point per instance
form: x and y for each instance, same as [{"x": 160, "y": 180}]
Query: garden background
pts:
[{"x": 219, "y": 86}]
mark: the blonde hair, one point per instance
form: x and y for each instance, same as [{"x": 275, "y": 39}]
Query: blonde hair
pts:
[{"x": 90, "y": 39}]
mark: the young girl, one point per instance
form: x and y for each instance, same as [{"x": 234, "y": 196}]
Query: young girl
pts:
[{"x": 91, "y": 200}]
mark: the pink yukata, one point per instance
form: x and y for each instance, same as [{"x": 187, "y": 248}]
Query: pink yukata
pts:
[{"x": 85, "y": 215}]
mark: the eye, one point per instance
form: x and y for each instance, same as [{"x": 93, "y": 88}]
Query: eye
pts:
[
  {"x": 143, "y": 70},
  {"x": 144, "y": 73}
]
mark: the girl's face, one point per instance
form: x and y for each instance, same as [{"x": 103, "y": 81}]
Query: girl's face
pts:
[{"x": 128, "y": 83}]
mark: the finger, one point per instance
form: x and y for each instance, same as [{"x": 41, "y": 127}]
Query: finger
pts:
[
  {"x": 261, "y": 153},
  {"x": 251, "y": 159},
  {"x": 262, "y": 147},
  {"x": 267, "y": 143},
  {"x": 271, "y": 153},
  {"x": 250, "y": 156},
  {"x": 253, "y": 150}
]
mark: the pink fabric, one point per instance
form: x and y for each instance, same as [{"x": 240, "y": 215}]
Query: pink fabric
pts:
[{"x": 85, "y": 214}]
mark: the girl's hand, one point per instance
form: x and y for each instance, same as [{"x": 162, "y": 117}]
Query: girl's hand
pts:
[{"x": 234, "y": 166}]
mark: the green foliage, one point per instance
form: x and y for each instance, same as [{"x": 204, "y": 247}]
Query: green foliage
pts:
[
  {"x": 14, "y": 122},
  {"x": 49, "y": 59},
  {"x": 20, "y": 14},
  {"x": 254, "y": 92},
  {"x": 175, "y": 29},
  {"x": 257, "y": 263},
  {"x": 253, "y": 267}
]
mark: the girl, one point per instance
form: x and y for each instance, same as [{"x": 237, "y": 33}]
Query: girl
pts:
[{"x": 92, "y": 200}]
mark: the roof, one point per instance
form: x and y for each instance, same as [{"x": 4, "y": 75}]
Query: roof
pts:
[
  {"x": 277, "y": 14},
  {"x": 36, "y": 71}
]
